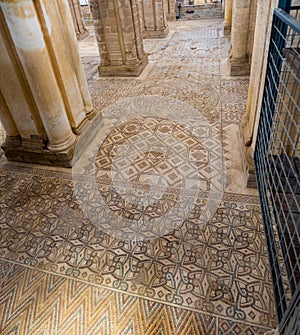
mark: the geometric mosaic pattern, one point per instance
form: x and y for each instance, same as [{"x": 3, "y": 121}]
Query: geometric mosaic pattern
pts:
[
  {"x": 151, "y": 170},
  {"x": 33, "y": 302},
  {"x": 219, "y": 268},
  {"x": 234, "y": 95},
  {"x": 63, "y": 273}
]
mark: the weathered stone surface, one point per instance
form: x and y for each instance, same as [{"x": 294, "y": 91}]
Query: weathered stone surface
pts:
[
  {"x": 154, "y": 19},
  {"x": 239, "y": 57},
  {"x": 77, "y": 16},
  {"x": 256, "y": 85},
  {"x": 119, "y": 37},
  {"x": 44, "y": 100},
  {"x": 169, "y": 6}
]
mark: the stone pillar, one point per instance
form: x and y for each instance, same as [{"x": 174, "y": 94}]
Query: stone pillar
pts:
[
  {"x": 119, "y": 37},
  {"x": 13, "y": 138},
  {"x": 72, "y": 45},
  {"x": 87, "y": 16},
  {"x": 77, "y": 16},
  {"x": 250, "y": 121},
  {"x": 227, "y": 17},
  {"x": 238, "y": 57},
  {"x": 155, "y": 23},
  {"x": 170, "y": 11},
  {"x": 140, "y": 9},
  {"x": 41, "y": 97}
]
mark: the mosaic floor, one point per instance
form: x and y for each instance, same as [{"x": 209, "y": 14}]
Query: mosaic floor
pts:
[{"x": 153, "y": 231}]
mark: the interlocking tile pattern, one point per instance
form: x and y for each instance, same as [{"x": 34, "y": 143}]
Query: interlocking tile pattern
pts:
[{"x": 220, "y": 267}]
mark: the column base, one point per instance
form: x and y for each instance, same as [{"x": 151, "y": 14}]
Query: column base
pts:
[
  {"x": 90, "y": 113},
  {"x": 78, "y": 129},
  {"x": 246, "y": 130},
  {"x": 248, "y": 167},
  {"x": 83, "y": 35},
  {"x": 239, "y": 67},
  {"x": 42, "y": 157},
  {"x": 156, "y": 33},
  {"x": 12, "y": 141},
  {"x": 24, "y": 153},
  {"x": 247, "y": 153},
  {"x": 123, "y": 70}
]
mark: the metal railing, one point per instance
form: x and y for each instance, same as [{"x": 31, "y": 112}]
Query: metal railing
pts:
[{"x": 277, "y": 160}]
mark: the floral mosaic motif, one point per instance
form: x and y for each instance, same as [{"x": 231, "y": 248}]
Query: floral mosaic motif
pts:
[{"x": 220, "y": 267}]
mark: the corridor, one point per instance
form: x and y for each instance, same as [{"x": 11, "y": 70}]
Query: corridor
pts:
[{"x": 153, "y": 230}]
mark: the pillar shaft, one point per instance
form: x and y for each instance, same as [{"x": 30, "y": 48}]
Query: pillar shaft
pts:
[
  {"x": 16, "y": 97},
  {"x": 155, "y": 22},
  {"x": 258, "y": 64},
  {"x": 39, "y": 87},
  {"x": 227, "y": 16},
  {"x": 250, "y": 123},
  {"x": 77, "y": 17},
  {"x": 141, "y": 15},
  {"x": 238, "y": 59},
  {"x": 119, "y": 37},
  {"x": 72, "y": 46},
  {"x": 170, "y": 10},
  {"x": 13, "y": 137}
]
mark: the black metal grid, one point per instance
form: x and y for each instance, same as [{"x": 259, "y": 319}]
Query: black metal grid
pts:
[{"x": 277, "y": 160}]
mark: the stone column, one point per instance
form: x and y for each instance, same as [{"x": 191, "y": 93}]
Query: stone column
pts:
[
  {"x": 238, "y": 57},
  {"x": 77, "y": 16},
  {"x": 227, "y": 17},
  {"x": 155, "y": 23},
  {"x": 118, "y": 32},
  {"x": 40, "y": 92},
  {"x": 250, "y": 121},
  {"x": 170, "y": 11},
  {"x": 72, "y": 45},
  {"x": 140, "y": 9},
  {"x": 13, "y": 138}
]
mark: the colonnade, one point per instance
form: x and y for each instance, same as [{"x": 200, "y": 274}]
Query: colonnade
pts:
[
  {"x": 77, "y": 16},
  {"x": 45, "y": 106}
]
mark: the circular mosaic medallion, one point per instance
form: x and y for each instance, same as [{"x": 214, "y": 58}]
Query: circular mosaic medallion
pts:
[{"x": 143, "y": 178}]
